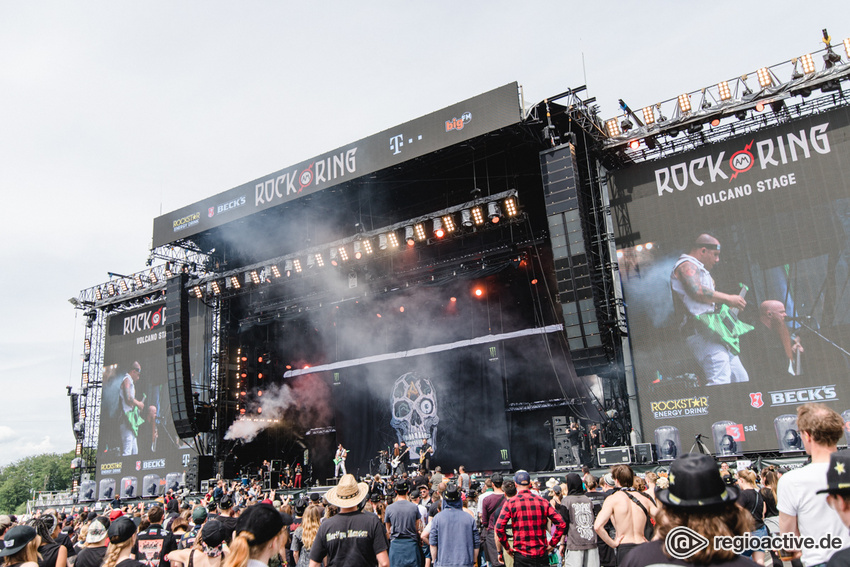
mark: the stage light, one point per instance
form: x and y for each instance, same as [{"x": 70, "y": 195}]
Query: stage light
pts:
[
  {"x": 449, "y": 223},
  {"x": 367, "y": 246},
  {"x": 358, "y": 252},
  {"x": 259, "y": 393},
  {"x": 649, "y": 115},
  {"x": 85, "y": 379},
  {"x": 613, "y": 128},
  {"x": 685, "y": 103},
  {"x": 478, "y": 292},
  {"x": 401, "y": 309},
  {"x": 510, "y": 206},
  {"x": 343, "y": 254},
  {"x": 453, "y": 299},
  {"x": 152, "y": 277},
  {"x": 619, "y": 254},
  {"x": 847, "y": 47},
  {"x": 382, "y": 242},
  {"x": 197, "y": 291},
  {"x": 86, "y": 345},
  {"x": 137, "y": 279},
  {"x": 741, "y": 115},
  {"x": 673, "y": 132},
  {"x": 808, "y": 63},
  {"x": 392, "y": 238},
  {"x": 123, "y": 285},
  {"x": 378, "y": 315},
  {"x": 255, "y": 277},
  {"x": 650, "y": 142},
  {"x": 98, "y": 294},
  {"x": 765, "y": 80},
  {"x": 494, "y": 213},
  {"x": 334, "y": 256},
  {"x": 715, "y": 122},
  {"x": 275, "y": 270},
  {"x": 296, "y": 264},
  {"x": 419, "y": 230},
  {"x": 287, "y": 267},
  {"x": 830, "y": 58},
  {"x": 777, "y": 106},
  {"x": 311, "y": 261},
  {"x": 111, "y": 289},
  {"x": 439, "y": 232},
  {"x": 760, "y": 106},
  {"x": 168, "y": 272},
  {"x": 649, "y": 245},
  {"x": 319, "y": 260},
  {"x": 634, "y": 144},
  {"x": 408, "y": 235},
  {"x": 694, "y": 128},
  {"x": 626, "y": 125},
  {"x": 216, "y": 288},
  {"x": 639, "y": 247},
  {"x": 725, "y": 92},
  {"x": 234, "y": 282}
]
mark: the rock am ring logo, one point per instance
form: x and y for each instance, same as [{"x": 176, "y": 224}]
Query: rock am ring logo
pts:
[
  {"x": 742, "y": 161},
  {"x": 306, "y": 178},
  {"x": 756, "y": 399}
]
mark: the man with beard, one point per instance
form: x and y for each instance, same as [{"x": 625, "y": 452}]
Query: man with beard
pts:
[{"x": 770, "y": 349}]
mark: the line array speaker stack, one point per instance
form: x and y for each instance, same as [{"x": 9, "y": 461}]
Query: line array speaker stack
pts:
[
  {"x": 200, "y": 468},
  {"x": 177, "y": 356}
]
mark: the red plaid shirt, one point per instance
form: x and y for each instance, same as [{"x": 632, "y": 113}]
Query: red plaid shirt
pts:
[{"x": 527, "y": 514}]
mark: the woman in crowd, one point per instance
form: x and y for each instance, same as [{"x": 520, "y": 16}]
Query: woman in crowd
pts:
[
  {"x": 94, "y": 548},
  {"x": 207, "y": 551},
  {"x": 259, "y": 535},
  {"x": 51, "y": 554},
  {"x": 752, "y": 501},
  {"x": 24, "y": 551},
  {"x": 122, "y": 536},
  {"x": 302, "y": 539}
]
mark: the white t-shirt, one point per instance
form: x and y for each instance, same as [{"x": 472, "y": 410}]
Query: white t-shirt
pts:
[{"x": 796, "y": 491}]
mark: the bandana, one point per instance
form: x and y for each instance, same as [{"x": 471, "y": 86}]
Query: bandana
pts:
[{"x": 211, "y": 551}]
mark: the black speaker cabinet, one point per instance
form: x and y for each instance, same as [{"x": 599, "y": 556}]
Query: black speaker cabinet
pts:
[
  {"x": 644, "y": 453},
  {"x": 609, "y": 456}
]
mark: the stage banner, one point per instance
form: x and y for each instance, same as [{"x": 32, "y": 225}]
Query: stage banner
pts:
[
  {"x": 457, "y": 123},
  {"x": 764, "y": 216},
  {"x": 139, "y": 453}
]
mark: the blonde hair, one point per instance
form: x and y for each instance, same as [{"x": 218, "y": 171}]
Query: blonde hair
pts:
[
  {"x": 28, "y": 554},
  {"x": 114, "y": 550},
  {"x": 243, "y": 548},
  {"x": 748, "y": 475},
  {"x": 728, "y": 520},
  {"x": 310, "y": 526}
]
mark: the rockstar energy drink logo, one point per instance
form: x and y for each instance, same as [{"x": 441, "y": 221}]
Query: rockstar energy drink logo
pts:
[{"x": 682, "y": 407}]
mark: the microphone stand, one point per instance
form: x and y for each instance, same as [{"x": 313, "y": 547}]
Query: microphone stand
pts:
[{"x": 799, "y": 321}]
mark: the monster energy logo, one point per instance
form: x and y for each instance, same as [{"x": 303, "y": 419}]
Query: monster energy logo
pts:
[
  {"x": 336, "y": 378},
  {"x": 504, "y": 454},
  {"x": 492, "y": 352}
]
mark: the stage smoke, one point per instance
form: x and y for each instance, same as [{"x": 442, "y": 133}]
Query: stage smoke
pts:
[{"x": 274, "y": 402}]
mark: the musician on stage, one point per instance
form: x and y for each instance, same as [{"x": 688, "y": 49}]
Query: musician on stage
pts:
[
  {"x": 298, "y": 471},
  {"x": 339, "y": 460},
  {"x": 694, "y": 294},
  {"x": 399, "y": 457},
  {"x": 595, "y": 439},
  {"x": 770, "y": 347},
  {"x": 425, "y": 455}
]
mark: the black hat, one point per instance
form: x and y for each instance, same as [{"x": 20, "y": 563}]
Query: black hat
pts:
[
  {"x": 452, "y": 493},
  {"x": 402, "y": 486},
  {"x": 496, "y": 478},
  {"x": 213, "y": 533},
  {"x": 695, "y": 482},
  {"x": 16, "y": 538},
  {"x": 315, "y": 497},
  {"x": 838, "y": 473},
  {"x": 261, "y": 520},
  {"x": 121, "y": 530},
  {"x": 226, "y": 502}
]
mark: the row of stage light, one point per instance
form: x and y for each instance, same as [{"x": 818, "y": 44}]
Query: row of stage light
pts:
[
  {"x": 422, "y": 231},
  {"x": 735, "y": 94}
]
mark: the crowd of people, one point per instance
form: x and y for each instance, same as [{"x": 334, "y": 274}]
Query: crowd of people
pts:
[{"x": 618, "y": 519}]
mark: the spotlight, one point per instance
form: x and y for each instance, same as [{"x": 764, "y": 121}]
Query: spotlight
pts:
[
  {"x": 649, "y": 245},
  {"x": 449, "y": 223},
  {"x": 152, "y": 277},
  {"x": 439, "y": 231},
  {"x": 510, "y": 206},
  {"x": 358, "y": 252},
  {"x": 275, "y": 271},
  {"x": 392, "y": 238},
  {"x": 626, "y": 124},
  {"x": 197, "y": 291},
  {"x": 216, "y": 287},
  {"x": 477, "y": 215},
  {"x": 830, "y": 86},
  {"x": 367, "y": 246},
  {"x": 741, "y": 115},
  {"x": 382, "y": 242},
  {"x": 634, "y": 144},
  {"x": 725, "y": 92},
  {"x": 419, "y": 230},
  {"x": 343, "y": 254},
  {"x": 613, "y": 128},
  {"x": 715, "y": 122},
  {"x": 804, "y": 92},
  {"x": 333, "y": 254},
  {"x": 137, "y": 279},
  {"x": 111, "y": 289},
  {"x": 847, "y": 47},
  {"x": 648, "y": 115},
  {"x": 98, "y": 294},
  {"x": 685, "y": 103},
  {"x": 673, "y": 132},
  {"x": 168, "y": 272},
  {"x": 650, "y": 142},
  {"x": 466, "y": 218},
  {"x": 408, "y": 235},
  {"x": 808, "y": 63},
  {"x": 765, "y": 80},
  {"x": 123, "y": 284},
  {"x": 255, "y": 277},
  {"x": 478, "y": 292},
  {"x": 234, "y": 282},
  {"x": 694, "y": 128},
  {"x": 830, "y": 58},
  {"x": 287, "y": 267},
  {"x": 319, "y": 260},
  {"x": 296, "y": 263},
  {"x": 494, "y": 213},
  {"x": 760, "y": 106}
]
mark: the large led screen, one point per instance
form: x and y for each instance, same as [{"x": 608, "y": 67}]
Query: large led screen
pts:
[{"x": 765, "y": 215}]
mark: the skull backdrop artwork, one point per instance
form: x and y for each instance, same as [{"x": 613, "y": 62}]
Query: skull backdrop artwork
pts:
[{"x": 414, "y": 412}]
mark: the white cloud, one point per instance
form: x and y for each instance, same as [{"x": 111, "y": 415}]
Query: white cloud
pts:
[{"x": 7, "y": 434}]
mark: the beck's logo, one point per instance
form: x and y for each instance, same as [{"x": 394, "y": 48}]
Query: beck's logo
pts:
[
  {"x": 211, "y": 212},
  {"x": 756, "y": 400},
  {"x": 802, "y": 395}
]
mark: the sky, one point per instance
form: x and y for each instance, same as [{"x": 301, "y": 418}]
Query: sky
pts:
[{"x": 112, "y": 113}]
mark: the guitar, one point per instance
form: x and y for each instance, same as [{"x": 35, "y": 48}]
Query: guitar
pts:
[
  {"x": 726, "y": 325},
  {"x": 134, "y": 416},
  {"x": 338, "y": 460},
  {"x": 423, "y": 455},
  {"x": 395, "y": 461}
]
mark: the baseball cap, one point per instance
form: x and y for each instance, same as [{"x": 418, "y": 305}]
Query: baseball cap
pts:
[
  {"x": 97, "y": 530},
  {"x": 115, "y": 514},
  {"x": 261, "y": 520},
  {"x": 838, "y": 473},
  {"x": 17, "y": 538},
  {"x": 522, "y": 478},
  {"x": 121, "y": 530},
  {"x": 199, "y": 514},
  {"x": 213, "y": 533}
]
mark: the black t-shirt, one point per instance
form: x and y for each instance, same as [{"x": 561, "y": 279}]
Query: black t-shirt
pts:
[
  {"x": 130, "y": 563},
  {"x": 63, "y": 539},
  {"x": 652, "y": 553},
  {"x": 49, "y": 552},
  {"x": 90, "y": 557},
  {"x": 153, "y": 545},
  {"x": 840, "y": 559},
  {"x": 353, "y": 539},
  {"x": 752, "y": 502},
  {"x": 229, "y": 524},
  {"x": 770, "y": 502}
]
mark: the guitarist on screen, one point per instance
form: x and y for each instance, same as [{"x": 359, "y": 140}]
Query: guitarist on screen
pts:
[
  {"x": 708, "y": 318},
  {"x": 134, "y": 411}
]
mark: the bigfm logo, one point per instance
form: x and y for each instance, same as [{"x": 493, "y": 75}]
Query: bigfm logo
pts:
[
  {"x": 802, "y": 395},
  {"x": 768, "y": 153},
  {"x": 756, "y": 400},
  {"x": 683, "y": 542},
  {"x": 458, "y": 123},
  {"x": 144, "y": 321},
  {"x": 315, "y": 174}
]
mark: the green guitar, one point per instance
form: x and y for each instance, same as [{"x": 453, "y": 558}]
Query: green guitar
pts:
[
  {"x": 726, "y": 325},
  {"x": 134, "y": 416}
]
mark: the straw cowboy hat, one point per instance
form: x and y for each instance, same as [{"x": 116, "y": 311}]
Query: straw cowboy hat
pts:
[{"x": 348, "y": 493}]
